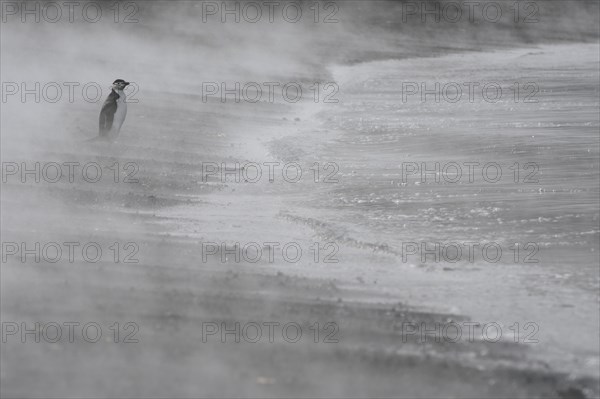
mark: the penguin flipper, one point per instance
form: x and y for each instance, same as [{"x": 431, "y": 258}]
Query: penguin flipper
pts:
[{"x": 107, "y": 113}]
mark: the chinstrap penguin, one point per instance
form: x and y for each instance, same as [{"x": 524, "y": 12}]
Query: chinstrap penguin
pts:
[{"x": 113, "y": 111}]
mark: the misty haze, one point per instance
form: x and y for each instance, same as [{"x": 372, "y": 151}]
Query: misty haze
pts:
[{"x": 328, "y": 199}]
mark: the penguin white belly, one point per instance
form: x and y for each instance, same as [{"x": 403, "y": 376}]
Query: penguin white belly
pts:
[{"x": 120, "y": 114}]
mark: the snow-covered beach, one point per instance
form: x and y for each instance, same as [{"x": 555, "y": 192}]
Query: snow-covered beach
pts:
[{"x": 377, "y": 238}]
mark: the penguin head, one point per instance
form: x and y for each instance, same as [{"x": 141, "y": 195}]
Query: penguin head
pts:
[{"x": 119, "y": 84}]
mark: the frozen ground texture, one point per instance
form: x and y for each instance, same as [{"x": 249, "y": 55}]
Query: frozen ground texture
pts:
[{"x": 369, "y": 213}]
